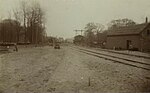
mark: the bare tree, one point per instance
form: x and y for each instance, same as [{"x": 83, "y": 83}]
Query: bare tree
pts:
[
  {"x": 17, "y": 16},
  {"x": 1, "y": 18},
  {"x": 9, "y": 15},
  {"x": 92, "y": 31},
  {"x": 1, "y": 32},
  {"x": 120, "y": 23},
  {"x": 32, "y": 17},
  {"x": 37, "y": 22},
  {"x": 24, "y": 13}
]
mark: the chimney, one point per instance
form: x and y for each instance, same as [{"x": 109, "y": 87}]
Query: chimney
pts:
[{"x": 146, "y": 20}]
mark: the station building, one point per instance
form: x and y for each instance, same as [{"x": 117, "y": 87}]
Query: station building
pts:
[{"x": 123, "y": 37}]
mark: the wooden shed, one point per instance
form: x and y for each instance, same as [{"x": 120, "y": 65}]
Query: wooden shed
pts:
[{"x": 137, "y": 36}]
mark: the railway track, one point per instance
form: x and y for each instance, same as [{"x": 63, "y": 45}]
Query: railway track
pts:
[
  {"x": 116, "y": 59},
  {"x": 125, "y": 54}
]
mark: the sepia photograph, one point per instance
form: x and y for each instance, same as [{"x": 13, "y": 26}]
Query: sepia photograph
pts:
[{"x": 74, "y": 46}]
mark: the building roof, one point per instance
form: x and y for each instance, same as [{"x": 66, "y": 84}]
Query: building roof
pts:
[
  {"x": 130, "y": 30},
  {"x": 78, "y": 36}
]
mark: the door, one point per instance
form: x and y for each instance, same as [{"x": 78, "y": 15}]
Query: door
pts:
[{"x": 128, "y": 44}]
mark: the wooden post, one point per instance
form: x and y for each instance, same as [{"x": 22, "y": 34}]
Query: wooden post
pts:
[{"x": 89, "y": 81}]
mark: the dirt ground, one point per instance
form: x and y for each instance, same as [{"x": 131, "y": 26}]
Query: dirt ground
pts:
[{"x": 66, "y": 70}]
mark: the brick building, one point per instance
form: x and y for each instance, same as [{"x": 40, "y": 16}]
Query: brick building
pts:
[{"x": 137, "y": 36}]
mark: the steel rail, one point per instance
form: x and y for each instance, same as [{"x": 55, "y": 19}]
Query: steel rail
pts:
[{"x": 105, "y": 56}]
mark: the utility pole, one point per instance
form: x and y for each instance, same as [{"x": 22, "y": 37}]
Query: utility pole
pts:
[{"x": 76, "y": 31}]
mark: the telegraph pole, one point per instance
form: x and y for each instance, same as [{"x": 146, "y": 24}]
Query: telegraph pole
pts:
[{"x": 76, "y": 31}]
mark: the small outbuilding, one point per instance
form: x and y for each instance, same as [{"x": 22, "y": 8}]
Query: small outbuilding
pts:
[
  {"x": 79, "y": 39},
  {"x": 135, "y": 37}
]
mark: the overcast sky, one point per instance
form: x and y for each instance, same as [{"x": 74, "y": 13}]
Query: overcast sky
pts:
[{"x": 64, "y": 16}]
